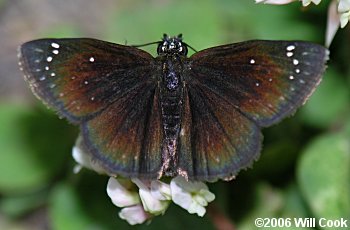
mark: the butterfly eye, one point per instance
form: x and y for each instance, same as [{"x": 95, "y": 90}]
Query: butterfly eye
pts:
[{"x": 182, "y": 49}]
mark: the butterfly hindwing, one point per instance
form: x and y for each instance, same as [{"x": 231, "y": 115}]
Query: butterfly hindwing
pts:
[
  {"x": 216, "y": 140},
  {"x": 127, "y": 136}
]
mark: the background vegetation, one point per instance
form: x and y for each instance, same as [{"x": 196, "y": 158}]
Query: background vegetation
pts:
[{"x": 304, "y": 169}]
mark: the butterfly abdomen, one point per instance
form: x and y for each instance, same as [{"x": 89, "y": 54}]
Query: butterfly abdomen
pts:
[
  {"x": 171, "y": 107},
  {"x": 171, "y": 96}
]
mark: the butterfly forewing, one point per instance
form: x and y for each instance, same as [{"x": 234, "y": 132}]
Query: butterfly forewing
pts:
[
  {"x": 110, "y": 90},
  {"x": 80, "y": 77},
  {"x": 265, "y": 80}
]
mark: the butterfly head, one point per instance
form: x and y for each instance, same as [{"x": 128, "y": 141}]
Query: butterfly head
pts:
[{"x": 172, "y": 45}]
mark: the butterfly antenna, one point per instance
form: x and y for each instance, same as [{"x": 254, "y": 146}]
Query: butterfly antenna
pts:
[
  {"x": 146, "y": 44},
  {"x": 190, "y": 47}
]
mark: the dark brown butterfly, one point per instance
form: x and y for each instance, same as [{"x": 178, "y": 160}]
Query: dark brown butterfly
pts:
[{"x": 199, "y": 116}]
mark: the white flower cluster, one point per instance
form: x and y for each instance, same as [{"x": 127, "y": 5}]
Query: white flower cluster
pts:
[
  {"x": 343, "y": 7},
  {"x": 141, "y": 200},
  {"x": 344, "y": 11},
  {"x": 154, "y": 197},
  {"x": 282, "y": 2}
]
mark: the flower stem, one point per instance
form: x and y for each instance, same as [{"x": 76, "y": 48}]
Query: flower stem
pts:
[{"x": 219, "y": 219}]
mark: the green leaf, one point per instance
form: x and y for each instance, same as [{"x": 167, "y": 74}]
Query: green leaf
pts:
[
  {"x": 34, "y": 146},
  {"x": 268, "y": 203},
  {"x": 329, "y": 102},
  {"x": 276, "y": 158},
  {"x": 66, "y": 211},
  {"x": 294, "y": 206},
  {"x": 324, "y": 176},
  {"x": 16, "y": 206}
]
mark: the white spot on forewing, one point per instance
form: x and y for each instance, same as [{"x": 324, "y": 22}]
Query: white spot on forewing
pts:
[
  {"x": 290, "y": 48},
  {"x": 86, "y": 82},
  {"x": 270, "y": 79},
  {"x": 92, "y": 98},
  {"x": 252, "y": 61},
  {"x": 291, "y": 77},
  {"x": 289, "y": 54},
  {"x": 55, "y": 51},
  {"x": 295, "y": 62},
  {"x": 257, "y": 84},
  {"x": 49, "y": 59},
  {"x": 55, "y": 45},
  {"x": 53, "y": 74},
  {"x": 47, "y": 68},
  {"x": 297, "y": 70},
  {"x": 92, "y": 59}
]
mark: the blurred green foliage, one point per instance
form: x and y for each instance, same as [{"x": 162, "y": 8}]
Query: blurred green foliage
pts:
[{"x": 304, "y": 169}]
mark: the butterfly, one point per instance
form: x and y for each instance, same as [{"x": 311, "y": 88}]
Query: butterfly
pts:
[{"x": 147, "y": 117}]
